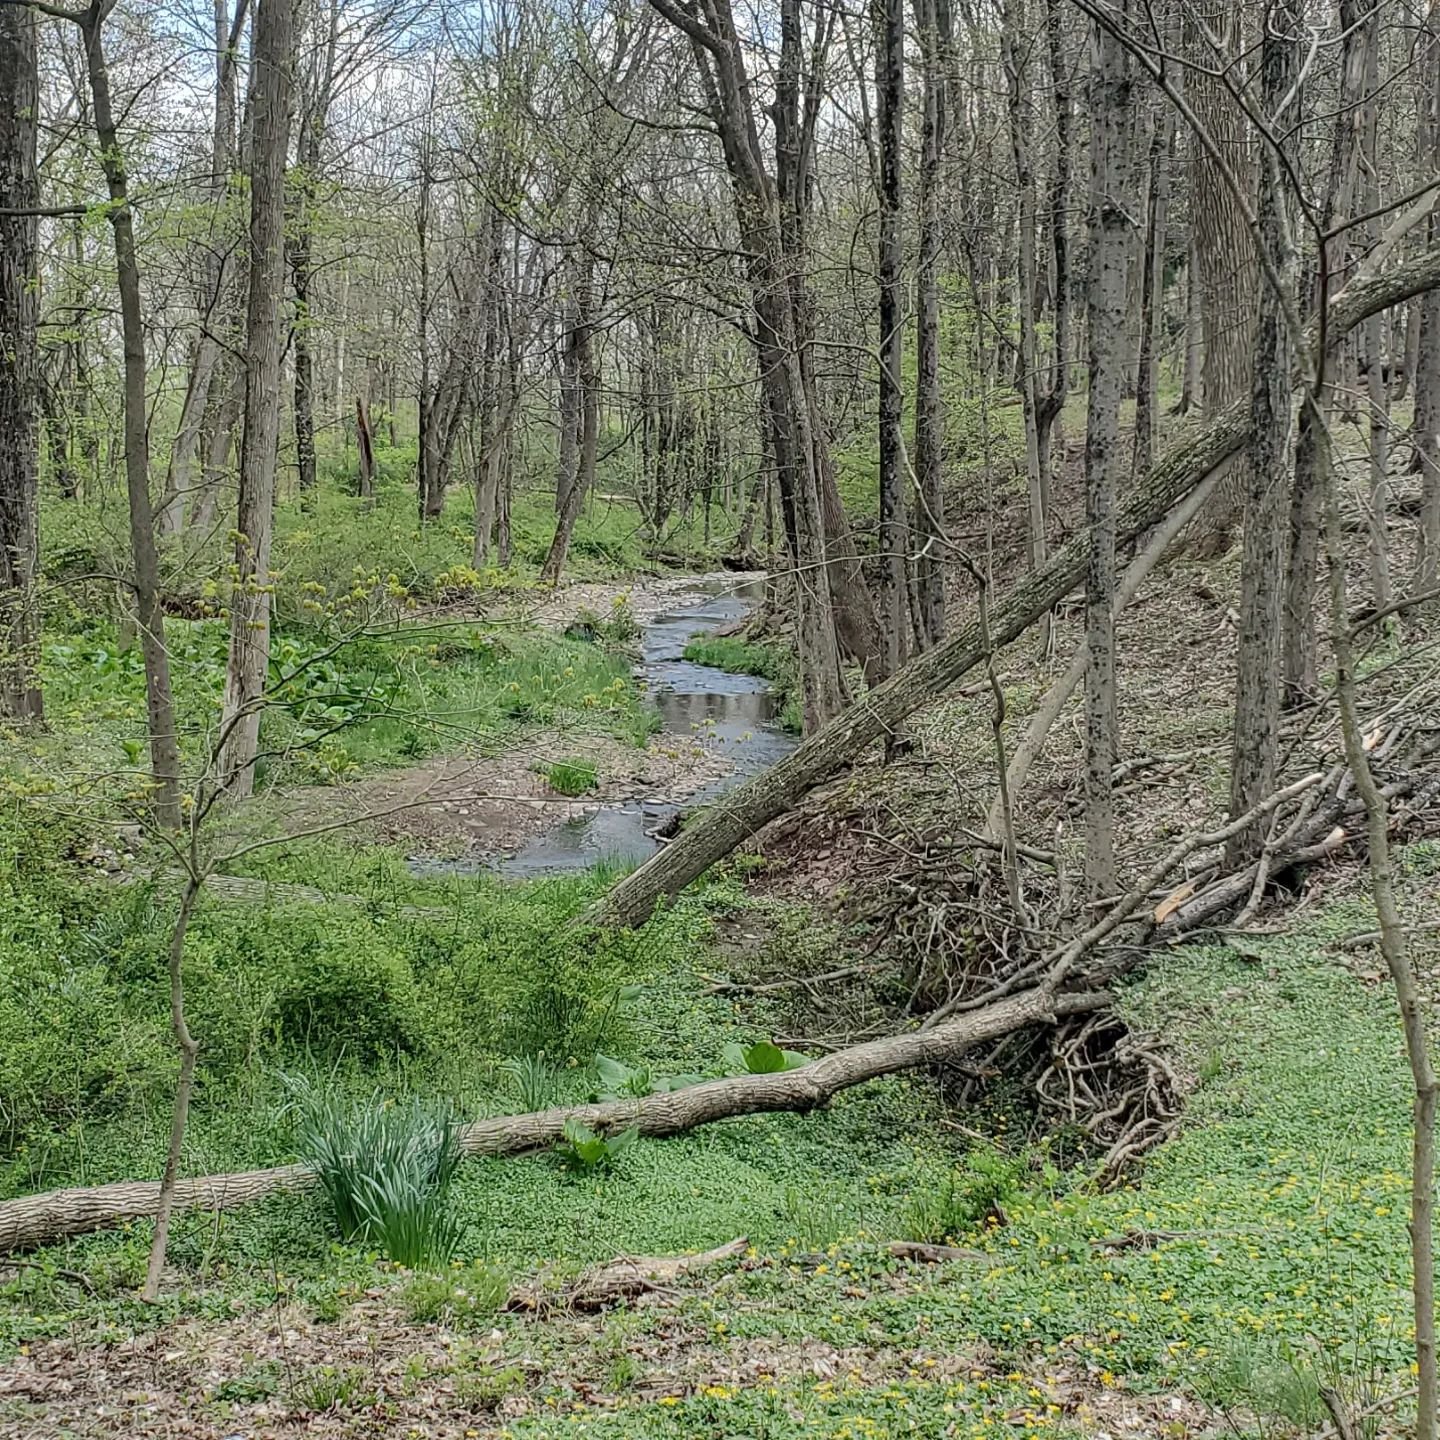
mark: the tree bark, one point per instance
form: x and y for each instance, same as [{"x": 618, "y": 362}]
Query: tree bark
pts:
[
  {"x": 1427, "y": 363},
  {"x": 1300, "y": 652},
  {"x": 893, "y": 606},
  {"x": 1262, "y": 568},
  {"x": 149, "y": 613},
  {"x": 1152, "y": 290},
  {"x": 1112, "y": 102},
  {"x": 271, "y": 87},
  {"x": 189, "y": 1049},
  {"x": 932, "y": 18},
  {"x": 20, "y": 694},
  {"x": 38, "y": 1219},
  {"x": 1226, "y": 267},
  {"x": 581, "y": 342},
  {"x": 1014, "y": 44},
  {"x": 1185, "y": 464}
]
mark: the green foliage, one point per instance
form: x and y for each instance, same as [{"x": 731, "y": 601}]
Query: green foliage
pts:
[
  {"x": 331, "y": 1387},
  {"x": 748, "y": 657},
  {"x": 346, "y": 991},
  {"x": 385, "y": 1169},
  {"x": 618, "y": 1081},
  {"x": 949, "y": 1207},
  {"x": 762, "y": 1058},
  {"x": 618, "y": 628},
  {"x": 535, "y": 1080},
  {"x": 570, "y": 777},
  {"x": 584, "y": 1151},
  {"x": 462, "y": 1296}
]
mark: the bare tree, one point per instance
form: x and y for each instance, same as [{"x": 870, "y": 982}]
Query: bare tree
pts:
[
  {"x": 1258, "y": 672},
  {"x": 20, "y": 695},
  {"x": 271, "y": 87},
  {"x": 889, "y": 17},
  {"x": 1112, "y": 100},
  {"x": 932, "y": 20}
]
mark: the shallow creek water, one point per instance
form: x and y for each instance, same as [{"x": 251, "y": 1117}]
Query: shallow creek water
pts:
[{"x": 734, "y": 714}]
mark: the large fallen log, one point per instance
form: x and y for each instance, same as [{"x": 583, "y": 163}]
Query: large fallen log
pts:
[
  {"x": 39, "y": 1219},
  {"x": 1194, "y": 455}
]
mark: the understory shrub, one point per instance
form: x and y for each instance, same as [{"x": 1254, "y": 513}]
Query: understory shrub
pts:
[{"x": 950, "y": 1206}]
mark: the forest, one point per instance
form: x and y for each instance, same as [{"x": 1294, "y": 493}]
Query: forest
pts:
[{"x": 719, "y": 721}]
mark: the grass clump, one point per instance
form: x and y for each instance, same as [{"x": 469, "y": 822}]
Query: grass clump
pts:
[
  {"x": 571, "y": 777},
  {"x": 386, "y": 1171},
  {"x": 953, "y": 1205},
  {"x": 466, "y": 1295}
]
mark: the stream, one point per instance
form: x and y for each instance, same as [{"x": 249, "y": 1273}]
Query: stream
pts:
[{"x": 738, "y": 715}]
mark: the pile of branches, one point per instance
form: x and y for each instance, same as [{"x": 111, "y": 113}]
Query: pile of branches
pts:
[{"x": 940, "y": 906}]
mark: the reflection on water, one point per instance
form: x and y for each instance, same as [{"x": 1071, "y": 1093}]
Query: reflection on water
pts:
[{"x": 735, "y": 714}]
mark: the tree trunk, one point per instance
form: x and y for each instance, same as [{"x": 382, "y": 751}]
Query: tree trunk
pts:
[
  {"x": 1226, "y": 267},
  {"x": 39, "y": 1219},
  {"x": 189, "y": 1048},
  {"x": 149, "y": 614},
  {"x": 365, "y": 444},
  {"x": 1152, "y": 292},
  {"x": 889, "y": 18},
  {"x": 1300, "y": 657},
  {"x": 1185, "y": 464},
  {"x": 214, "y": 295},
  {"x": 1427, "y": 362},
  {"x": 246, "y": 670},
  {"x": 1262, "y": 566},
  {"x": 1015, "y": 44},
  {"x": 932, "y": 19},
  {"x": 1191, "y": 386},
  {"x": 20, "y": 696},
  {"x": 1052, "y": 402},
  {"x": 1112, "y": 100},
  {"x": 587, "y": 376}
]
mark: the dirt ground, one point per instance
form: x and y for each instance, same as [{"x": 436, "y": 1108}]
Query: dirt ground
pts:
[{"x": 484, "y": 806}]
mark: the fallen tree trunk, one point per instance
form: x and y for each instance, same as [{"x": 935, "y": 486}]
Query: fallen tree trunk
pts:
[
  {"x": 39, "y": 1219},
  {"x": 622, "y": 1279},
  {"x": 1196, "y": 454}
]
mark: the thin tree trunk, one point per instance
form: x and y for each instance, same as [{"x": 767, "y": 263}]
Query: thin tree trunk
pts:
[
  {"x": 189, "y": 1048},
  {"x": 587, "y": 376},
  {"x": 1224, "y": 252},
  {"x": 1191, "y": 385},
  {"x": 894, "y": 532},
  {"x": 1014, "y": 43},
  {"x": 1394, "y": 949},
  {"x": 270, "y": 92},
  {"x": 1152, "y": 293},
  {"x": 149, "y": 613},
  {"x": 1427, "y": 311},
  {"x": 1262, "y": 567},
  {"x": 933, "y": 22},
  {"x": 1112, "y": 99},
  {"x": 1300, "y": 651},
  {"x": 366, "y": 445},
  {"x": 20, "y": 694}
]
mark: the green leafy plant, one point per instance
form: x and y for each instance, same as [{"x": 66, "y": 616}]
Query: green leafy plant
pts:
[
  {"x": 329, "y": 1387},
  {"x": 585, "y": 1152},
  {"x": 535, "y": 1080},
  {"x": 762, "y": 1058},
  {"x": 960, "y": 1200},
  {"x": 571, "y": 777},
  {"x": 464, "y": 1296},
  {"x": 618, "y": 1081},
  {"x": 385, "y": 1169}
]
